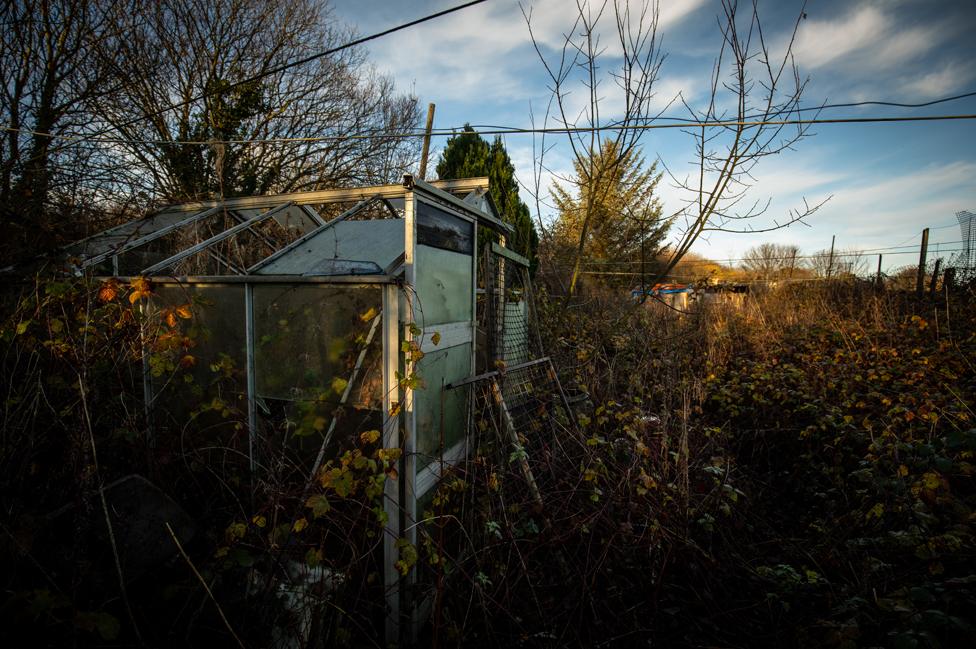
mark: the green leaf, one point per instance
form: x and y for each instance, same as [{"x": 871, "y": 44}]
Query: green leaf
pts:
[
  {"x": 313, "y": 558},
  {"x": 319, "y": 505},
  {"x": 105, "y": 624}
]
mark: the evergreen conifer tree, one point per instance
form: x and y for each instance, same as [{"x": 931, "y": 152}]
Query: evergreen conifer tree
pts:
[{"x": 468, "y": 155}]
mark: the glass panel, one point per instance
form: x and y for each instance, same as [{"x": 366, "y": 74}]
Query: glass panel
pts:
[
  {"x": 379, "y": 241},
  {"x": 441, "y": 412},
  {"x": 441, "y": 229},
  {"x": 444, "y": 286},
  {"x": 197, "y": 364},
  {"x": 134, "y": 261},
  {"x": 318, "y": 364},
  {"x": 111, "y": 239}
]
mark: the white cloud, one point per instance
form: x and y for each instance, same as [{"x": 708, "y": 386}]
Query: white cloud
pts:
[
  {"x": 486, "y": 50},
  {"x": 939, "y": 83},
  {"x": 895, "y": 203},
  {"x": 867, "y": 209},
  {"x": 866, "y": 38},
  {"x": 819, "y": 42}
]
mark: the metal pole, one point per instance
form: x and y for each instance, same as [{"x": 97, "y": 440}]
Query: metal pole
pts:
[
  {"x": 391, "y": 439},
  {"x": 923, "y": 251},
  {"x": 252, "y": 411},
  {"x": 426, "y": 150}
]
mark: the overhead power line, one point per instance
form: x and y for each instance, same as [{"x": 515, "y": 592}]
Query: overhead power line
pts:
[
  {"x": 266, "y": 73},
  {"x": 895, "y": 250},
  {"x": 309, "y": 59},
  {"x": 515, "y": 130}
]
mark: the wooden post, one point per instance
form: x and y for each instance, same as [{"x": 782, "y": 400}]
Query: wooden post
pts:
[
  {"x": 426, "y": 150},
  {"x": 948, "y": 279},
  {"x": 923, "y": 251},
  {"x": 935, "y": 276},
  {"x": 830, "y": 261},
  {"x": 878, "y": 278}
]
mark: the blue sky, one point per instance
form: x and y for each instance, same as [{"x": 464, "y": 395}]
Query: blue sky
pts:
[{"x": 885, "y": 181}]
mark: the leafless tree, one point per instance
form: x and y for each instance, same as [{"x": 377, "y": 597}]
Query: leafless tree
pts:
[
  {"x": 49, "y": 75},
  {"x": 764, "y": 89},
  {"x": 216, "y": 61},
  {"x": 847, "y": 262},
  {"x": 771, "y": 260},
  {"x": 578, "y": 63},
  {"x": 753, "y": 92}
]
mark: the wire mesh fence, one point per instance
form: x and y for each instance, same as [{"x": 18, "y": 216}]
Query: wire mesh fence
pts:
[{"x": 507, "y": 317}]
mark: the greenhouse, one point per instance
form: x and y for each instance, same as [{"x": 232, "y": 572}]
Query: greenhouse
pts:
[{"x": 321, "y": 315}]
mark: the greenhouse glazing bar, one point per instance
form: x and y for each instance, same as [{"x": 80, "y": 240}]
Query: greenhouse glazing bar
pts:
[
  {"x": 203, "y": 245},
  {"x": 355, "y": 209},
  {"x": 149, "y": 238}
]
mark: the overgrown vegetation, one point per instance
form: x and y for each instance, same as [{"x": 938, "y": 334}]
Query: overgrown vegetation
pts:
[{"x": 794, "y": 472}]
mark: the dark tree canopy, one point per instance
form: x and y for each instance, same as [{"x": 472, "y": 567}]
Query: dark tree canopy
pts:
[
  {"x": 469, "y": 155},
  {"x": 110, "y": 106}
]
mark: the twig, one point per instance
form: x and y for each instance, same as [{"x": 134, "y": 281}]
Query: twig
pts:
[
  {"x": 108, "y": 519},
  {"x": 203, "y": 583}
]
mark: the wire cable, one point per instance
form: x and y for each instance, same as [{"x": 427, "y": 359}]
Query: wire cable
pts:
[
  {"x": 515, "y": 130},
  {"x": 251, "y": 79}
]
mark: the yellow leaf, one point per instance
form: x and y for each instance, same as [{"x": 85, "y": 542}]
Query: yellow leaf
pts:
[
  {"x": 184, "y": 311},
  {"x": 259, "y": 520},
  {"x": 319, "y": 424},
  {"x": 140, "y": 289},
  {"x": 493, "y": 482},
  {"x": 388, "y": 454},
  {"x": 300, "y": 524},
  {"x": 369, "y": 315},
  {"x": 369, "y": 436},
  {"x": 436, "y": 338},
  {"x": 339, "y": 384},
  {"x": 235, "y": 531},
  {"x": 902, "y": 471}
]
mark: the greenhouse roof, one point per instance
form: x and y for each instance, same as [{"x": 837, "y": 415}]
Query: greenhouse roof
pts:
[{"x": 337, "y": 232}]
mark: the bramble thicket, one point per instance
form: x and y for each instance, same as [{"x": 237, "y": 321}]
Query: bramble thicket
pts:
[{"x": 797, "y": 471}]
